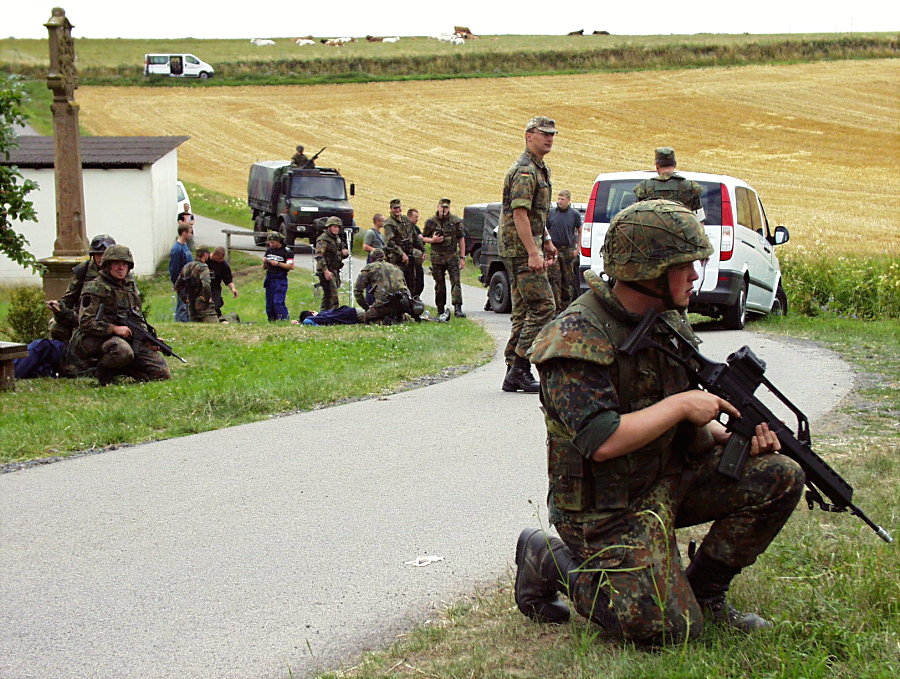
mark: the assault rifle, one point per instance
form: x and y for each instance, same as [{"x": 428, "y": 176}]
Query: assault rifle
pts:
[
  {"x": 735, "y": 381},
  {"x": 132, "y": 320},
  {"x": 309, "y": 163}
]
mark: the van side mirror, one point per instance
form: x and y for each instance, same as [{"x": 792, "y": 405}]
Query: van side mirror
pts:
[{"x": 781, "y": 235}]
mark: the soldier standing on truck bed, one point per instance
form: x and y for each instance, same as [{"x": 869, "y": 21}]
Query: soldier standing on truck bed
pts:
[
  {"x": 669, "y": 185},
  {"x": 299, "y": 159}
]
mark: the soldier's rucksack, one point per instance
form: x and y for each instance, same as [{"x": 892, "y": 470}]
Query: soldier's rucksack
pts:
[{"x": 186, "y": 285}]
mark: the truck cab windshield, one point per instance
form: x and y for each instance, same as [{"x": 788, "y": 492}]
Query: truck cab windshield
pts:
[{"x": 331, "y": 188}]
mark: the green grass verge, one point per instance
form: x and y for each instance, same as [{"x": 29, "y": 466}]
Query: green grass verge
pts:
[
  {"x": 829, "y": 583},
  {"x": 236, "y": 373}
]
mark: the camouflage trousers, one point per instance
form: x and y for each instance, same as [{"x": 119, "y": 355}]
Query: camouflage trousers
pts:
[
  {"x": 532, "y": 306},
  {"x": 330, "y": 297},
  {"x": 631, "y": 580},
  {"x": 562, "y": 275},
  {"x": 449, "y": 266},
  {"x": 201, "y": 311},
  {"x": 115, "y": 356},
  {"x": 376, "y": 314}
]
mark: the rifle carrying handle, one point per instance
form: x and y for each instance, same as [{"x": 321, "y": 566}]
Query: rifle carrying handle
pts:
[{"x": 734, "y": 457}]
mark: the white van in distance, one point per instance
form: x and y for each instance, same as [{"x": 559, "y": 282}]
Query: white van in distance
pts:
[
  {"x": 177, "y": 66},
  {"x": 743, "y": 275}
]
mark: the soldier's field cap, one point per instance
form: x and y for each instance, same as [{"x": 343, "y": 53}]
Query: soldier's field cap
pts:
[
  {"x": 444, "y": 202},
  {"x": 543, "y": 124},
  {"x": 331, "y": 221},
  {"x": 395, "y": 202},
  {"x": 665, "y": 155},
  {"x": 275, "y": 235}
]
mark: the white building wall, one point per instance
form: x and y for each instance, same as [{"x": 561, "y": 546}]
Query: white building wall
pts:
[{"x": 136, "y": 207}]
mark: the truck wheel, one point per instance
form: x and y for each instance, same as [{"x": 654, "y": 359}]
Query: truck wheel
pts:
[
  {"x": 499, "y": 293},
  {"x": 476, "y": 255},
  {"x": 735, "y": 318},
  {"x": 780, "y": 305}
]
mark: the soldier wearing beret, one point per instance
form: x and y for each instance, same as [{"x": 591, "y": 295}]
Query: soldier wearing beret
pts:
[
  {"x": 527, "y": 250},
  {"x": 444, "y": 231},
  {"x": 330, "y": 253},
  {"x": 403, "y": 246},
  {"x": 668, "y": 184}
]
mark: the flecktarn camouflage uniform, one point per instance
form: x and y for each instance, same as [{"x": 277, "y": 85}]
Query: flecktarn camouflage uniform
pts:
[
  {"x": 445, "y": 258},
  {"x": 329, "y": 257},
  {"x": 197, "y": 287},
  {"x": 384, "y": 279},
  {"x": 671, "y": 187},
  {"x": 400, "y": 236},
  {"x": 93, "y": 344},
  {"x": 527, "y": 185},
  {"x": 618, "y": 560}
]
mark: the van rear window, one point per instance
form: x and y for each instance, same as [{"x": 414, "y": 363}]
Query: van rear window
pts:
[
  {"x": 158, "y": 60},
  {"x": 615, "y": 196}
]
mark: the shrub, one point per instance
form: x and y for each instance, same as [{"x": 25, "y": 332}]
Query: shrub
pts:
[
  {"x": 854, "y": 287},
  {"x": 28, "y": 315}
]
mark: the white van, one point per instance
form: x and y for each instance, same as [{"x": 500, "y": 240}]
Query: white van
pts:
[
  {"x": 177, "y": 66},
  {"x": 182, "y": 195},
  {"x": 742, "y": 275}
]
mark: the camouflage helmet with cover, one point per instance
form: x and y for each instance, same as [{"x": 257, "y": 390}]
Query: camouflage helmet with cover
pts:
[
  {"x": 648, "y": 238},
  {"x": 100, "y": 243},
  {"x": 117, "y": 253}
]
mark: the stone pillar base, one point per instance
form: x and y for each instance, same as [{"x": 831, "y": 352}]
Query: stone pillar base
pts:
[{"x": 58, "y": 275}]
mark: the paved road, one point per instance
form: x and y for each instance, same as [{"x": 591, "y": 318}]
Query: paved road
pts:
[{"x": 282, "y": 544}]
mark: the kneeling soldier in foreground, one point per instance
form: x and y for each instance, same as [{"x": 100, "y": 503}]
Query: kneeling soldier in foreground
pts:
[
  {"x": 633, "y": 449},
  {"x": 102, "y": 336}
]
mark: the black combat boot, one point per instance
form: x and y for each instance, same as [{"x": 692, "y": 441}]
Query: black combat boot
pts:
[
  {"x": 105, "y": 376},
  {"x": 542, "y": 569},
  {"x": 457, "y": 311},
  {"x": 709, "y": 579},
  {"x": 519, "y": 377},
  {"x": 487, "y": 305}
]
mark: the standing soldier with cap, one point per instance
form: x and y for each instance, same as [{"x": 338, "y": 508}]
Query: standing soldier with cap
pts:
[
  {"x": 403, "y": 246},
  {"x": 101, "y": 338},
  {"x": 330, "y": 253},
  {"x": 523, "y": 242},
  {"x": 564, "y": 226},
  {"x": 448, "y": 255},
  {"x": 633, "y": 448},
  {"x": 194, "y": 285},
  {"x": 65, "y": 310},
  {"x": 669, "y": 185}
]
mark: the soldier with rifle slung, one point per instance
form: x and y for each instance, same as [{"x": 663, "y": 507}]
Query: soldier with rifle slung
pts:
[
  {"x": 103, "y": 336},
  {"x": 403, "y": 246},
  {"x": 633, "y": 452}
]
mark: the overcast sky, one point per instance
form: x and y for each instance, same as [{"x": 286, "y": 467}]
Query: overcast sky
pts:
[{"x": 292, "y": 18}]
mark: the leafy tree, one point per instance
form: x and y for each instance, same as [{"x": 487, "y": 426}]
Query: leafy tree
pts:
[{"x": 13, "y": 187}]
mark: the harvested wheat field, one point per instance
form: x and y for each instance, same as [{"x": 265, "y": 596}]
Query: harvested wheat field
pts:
[{"x": 819, "y": 141}]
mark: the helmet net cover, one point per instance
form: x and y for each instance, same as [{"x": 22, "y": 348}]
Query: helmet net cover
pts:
[
  {"x": 648, "y": 238},
  {"x": 117, "y": 253}
]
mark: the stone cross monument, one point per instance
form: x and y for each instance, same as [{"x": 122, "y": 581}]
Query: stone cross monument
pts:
[{"x": 71, "y": 238}]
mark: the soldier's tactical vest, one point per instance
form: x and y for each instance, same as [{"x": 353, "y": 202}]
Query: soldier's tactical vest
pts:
[
  {"x": 580, "y": 485},
  {"x": 675, "y": 188}
]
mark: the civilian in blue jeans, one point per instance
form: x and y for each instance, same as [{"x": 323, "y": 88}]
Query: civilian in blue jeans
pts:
[
  {"x": 277, "y": 262},
  {"x": 179, "y": 255}
]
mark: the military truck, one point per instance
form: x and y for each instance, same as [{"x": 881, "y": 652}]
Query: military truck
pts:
[{"x": 296, "y": 201}]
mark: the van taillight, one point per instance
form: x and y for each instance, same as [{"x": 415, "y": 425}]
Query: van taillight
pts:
[
  {"x": 726, "y": 247},
  {"x": 588, "y": 222}
]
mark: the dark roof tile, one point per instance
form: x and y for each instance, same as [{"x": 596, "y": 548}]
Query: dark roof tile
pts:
[{"x": 96, "y": 152}]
